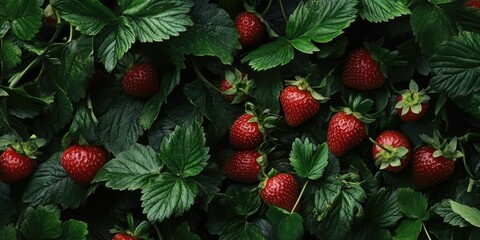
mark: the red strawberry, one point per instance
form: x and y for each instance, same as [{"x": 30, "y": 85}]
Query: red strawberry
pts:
[
  {"x": 299, "y": 102},
  {"x": 473, "y": 3},
  {"x": 83, "y": 162},
  {"x": 141, "y": 80},
  {"x": 15, "y": 166},
  {"x": 250, "y": 28},
  {"x": 123, "y": 236},
  {"x": 236, "y": 86},
  {"x": 243, "y": 166},
  {"x": 392, "y": 151},
  {"x": 49, "y": 15},
  {"x": 412, "y": 104},
  {"x": 361, "y": 71},
  {"x": 245, "y": 134},
  {"x": 344, "y": 133},
  {"x": 281, "y": 191}
]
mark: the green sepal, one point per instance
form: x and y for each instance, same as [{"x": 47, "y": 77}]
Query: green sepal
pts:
[
  {"x": 302, "y": 84},
  {"x": 443, "y": 147},
  {"x": 360, "y": 108},
  {"x": 384, "y": 57},
  {"x": 412, "y": 99},
  {"x": 28, "y": 148},
  {"x": 241, "y": 85}
]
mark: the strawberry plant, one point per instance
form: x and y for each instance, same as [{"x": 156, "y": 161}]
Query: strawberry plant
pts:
[{"x": 229, "y": 119}]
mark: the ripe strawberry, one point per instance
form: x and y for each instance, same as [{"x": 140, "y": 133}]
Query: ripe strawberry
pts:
[
  {"x": 299, "y": 102},
  {"x": 245, "y": 134},
  {"x": 250, "y": 28},
  {"x": 123, "y": 236},
  {"x": 83, "y": 162},
  {"x": 243, "y": 166},
  {"x": 49, "y": 15},
  {"x": 15, "y": 166},
  {"x": 141, "y": 80},
  {"x": 435, "y": 162},
  {"x": 361, "y": 71},
  {"x": 281, "y": 191},
  {"x": 392, "y": 151},
  {"x": 236, "y": 86},
  {"x": 473, "y": 4},
  {"x": 412, "y": 104}
]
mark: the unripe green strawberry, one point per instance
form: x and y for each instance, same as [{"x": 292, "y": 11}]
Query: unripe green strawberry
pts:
[
  {"x": 250, "y": 28},
  {"x": 15, "y": 166},
  {"x": 280, "y": 190},
  {"x": 82, "y": 163},
  {"x": 141, "y": 80},
  {"x": 361, "y": 71},
  {"x": 243, "y": 166}
]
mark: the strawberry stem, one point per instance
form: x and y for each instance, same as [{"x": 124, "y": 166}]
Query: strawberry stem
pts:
[
  {"x": 426, "y": 231},
  {"x": 300, "y": 196},
  {"x": 159, "y": 234},
  {"x": 267, "y": 8},
  {"x": 379, "y": 145},
  {"x": 283, "y": 10},
  {"x": 201, "y": 77}
]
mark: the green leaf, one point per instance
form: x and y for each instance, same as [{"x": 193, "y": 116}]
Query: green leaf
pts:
[
  {"x": 9, "y": 55},
  {"x": 443, "y": 209},
  {"x": 131, "y": 169},
  {"x": 7, "y": 207},
  {"x": 212, "y": 105},
  {"x": 153, "y": 106},
  {"x": 60, "y": 113},
  {"x": 84, "y": 125},
  {"x": 119, "y": 127},
  {"x": 431, "y": 26},
  {"x": 155, "y": 21},
  {"x": 381, "y": 209},
  {"x": 168, "y": 195},
  {"x": 307, "y": 160},
  {"x": 270, "y": 55},
  {"x": 321, "y": 21},
  {"x": 412, "y": 204},
  {"x": 115, "y": 41},
  {"x": 243, "y": 230},
  {"x": 8, "y": 232},
  {"x": 50, "y": 184},
  {"x": 456, "y": 65},
  {"x": 268, "y": 86},
  {"x": 242, "y": 200},
  {"x": 23, "y": 105},
  {"x": 470, "y": 214},
  {"x": 383, "y": 10},
  {"x": 74, "y": 230},
  {"x": 89, "y": 16},
  {"x": 304, "y": 45},
  {"x": 409, "y": 229},
  {"x": 184, "y": 151},
  {"x": 183, "y": 232},
  {"x": 286, "y": 226},
  {"x": 24, "y": 16},
  {"x": 41, "y": 223},
  {"x": 213, "y": 33}
]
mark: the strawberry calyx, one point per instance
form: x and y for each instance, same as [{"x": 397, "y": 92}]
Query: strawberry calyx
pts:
[
  {"x": 127, "y": 62},
  {"x": 443, "y": 147},
  {"x": 384, "y": 57},
  {"x": 389, "y": 155},
  {"x": 140, "y": 231},
  {"x": 27, "y": 148},
  {"x": 265, "y": 119},
  {"x": 241, "y": 85},
  {"x": 303, "y": 85},
  {"x": 358, "y": 107},
  {"x": 412, "y": 99}
]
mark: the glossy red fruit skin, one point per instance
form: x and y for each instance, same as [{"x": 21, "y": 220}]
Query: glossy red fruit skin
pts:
[
  {"x": 344, "y": 133},
  {"x": 123, "y": 236},
  {"x": 243, "y": 166},
  {"x": 473, "y": 4},
  {"x": 141, "y": 80},
  {"x": 410, "y": 116},
  {"x": 427, "y": 170},
  {"x": 82, "y": 163},
  {"x": 245, "y": 135},
  {"x": 250, "y": 28},
  {"x": 224, "y": 86},
  {"x": 14, "y": 166},
  {"x": 281, "y": 191},
  {"x": 395, "y": 139},
  {"x": 361, "y": 71},
  {"x": 298, "y": 105}
]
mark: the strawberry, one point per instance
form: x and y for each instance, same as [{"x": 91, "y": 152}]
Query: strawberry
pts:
[
  {"x": 250, "y": 28},
  {"x": 346, "y": 129},
  {"x": 49, "y": 15},
  {"x": 280, "y": 190},
  {"x": 245, "y": 133},
  {"x": 392, "y": 151},
  {"x": 141, "y": 80},
  {"x": 473, "y": 4},
  {"x": 243, "y": 166},
  {"x": 83, "y": 162},
  {"x": 236, "y": 86},
  {"x": 15, "y": 166},
  {"x": 361, "y": 71},
  {"x": 412, "y": 104},
  {"x": 299, "y": 102},
  {"x": 435, "y": 162},
  {"x": 123, "y": 236}
]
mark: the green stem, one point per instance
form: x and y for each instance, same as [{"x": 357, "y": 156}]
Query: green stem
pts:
[
  {"x": 71, "y": 34},
  {"x": 300, "y": 196},
  {"x": 267, "y": 8},
  {"x": 200, "y": 75},
  {"x": 157, "y": 230},
  {"x": 14, "y": 81},
  {"x": 465, "y": 165},
  {"x": 283, "y": 10},
  {"x": 379, "y": 145},
  {"x": 426, "y": 232},
  {"x": 470, "y": 184}
]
